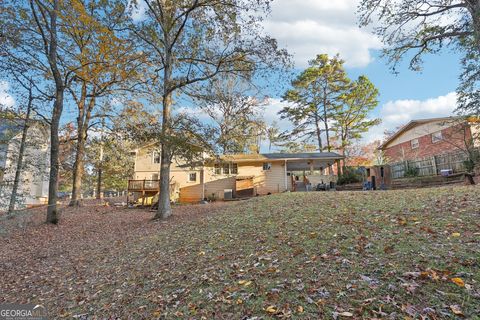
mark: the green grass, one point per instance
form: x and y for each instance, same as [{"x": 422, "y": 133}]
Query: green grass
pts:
[{"x": 299, "y": 255}]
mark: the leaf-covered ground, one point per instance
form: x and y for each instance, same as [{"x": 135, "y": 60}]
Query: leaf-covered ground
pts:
[{"x": 396, "y": 255}]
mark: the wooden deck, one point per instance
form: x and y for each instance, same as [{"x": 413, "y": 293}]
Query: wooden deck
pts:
[{"x": 143, "y": 185}]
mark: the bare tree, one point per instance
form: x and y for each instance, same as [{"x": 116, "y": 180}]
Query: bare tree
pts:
[
  {"x": 21, "y": 151},
  {"x": 232, "y": 104}
]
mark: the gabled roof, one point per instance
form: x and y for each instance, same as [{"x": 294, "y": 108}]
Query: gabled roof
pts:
[
  {"x": 9, "y": 129},
  {"x": 413, "y": 124}
]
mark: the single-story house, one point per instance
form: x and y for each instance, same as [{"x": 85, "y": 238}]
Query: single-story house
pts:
[
  {"x": 33, "y": 186},
  {"x": 239, "y": 175},
  {"x": 426, "y": 138}
]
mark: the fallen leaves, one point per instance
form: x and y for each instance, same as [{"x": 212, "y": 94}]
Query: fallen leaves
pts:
[
  {"x": 456, "y": 310},
  {"x": 244, "y": 283},
  {"x": 458, "y": 281},
  {"x": 307, "y": 256},
  {"x": 271, "y": 309}
]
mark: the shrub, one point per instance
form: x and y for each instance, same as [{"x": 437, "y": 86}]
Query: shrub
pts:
[
  {"x": 412, "y": 172},
  {"x": 212, "y": 198},
  {"x": 349, "y": 176},
  {"x": 472, "y": 161}
]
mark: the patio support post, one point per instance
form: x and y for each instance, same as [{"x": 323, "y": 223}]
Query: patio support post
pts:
[
  {"x": 202, "y": 178},
  {"x": 286, "y": 177}
]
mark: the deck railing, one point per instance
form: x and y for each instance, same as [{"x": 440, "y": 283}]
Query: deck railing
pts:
[{"x": 143, "y": 185}]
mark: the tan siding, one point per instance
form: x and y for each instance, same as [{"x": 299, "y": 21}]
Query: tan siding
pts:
[
  {"x": 421, "y": 130},
  {"x": 270, "y": 181},
  {"x": 194, "y": 193}
]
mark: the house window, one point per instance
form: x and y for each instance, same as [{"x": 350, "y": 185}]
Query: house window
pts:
[
  {"x": 155, "y": 176},
  {"x": 226, "y": 168},
  {"x": 218, "y": 170},
  {"x": 437, "y": 136},
  {"x": 234, "y": 168},
  {"x": 414, "y": 143},
  {"x": 267, "y": 166},
  {"x": 156, "y": 157},
  {"x": 192, "y": 177}
]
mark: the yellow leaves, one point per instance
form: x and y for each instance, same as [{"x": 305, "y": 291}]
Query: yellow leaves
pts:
[
  {"x": 458, "y": 281},
  {"x": 312, "y": 235},
  {"x": 156, "y": 314},
  {"x": 402, "y": 221},
  {"x": 429, "y": 273},
  {"x": 455, "y": 235},
  {"x": 239, "y": 301},
  {"x": 300, "y": 309},
  {"x": 345, "y": 314},
  {"x": 201, "y": 253},
  {"x": 244, "y": 283},
  {"x": 271, "y": 309},
  {"x": 456, "y": 310},
  {"x": 272, "y": 270}
]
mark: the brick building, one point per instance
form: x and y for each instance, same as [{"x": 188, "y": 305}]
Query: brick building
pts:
[{"x": 420, "y": 139}]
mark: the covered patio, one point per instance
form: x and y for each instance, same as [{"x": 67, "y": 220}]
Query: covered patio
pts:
[{"x": 312, "y": 171}]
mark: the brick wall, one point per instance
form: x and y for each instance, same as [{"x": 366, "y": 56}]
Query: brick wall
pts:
[{"x": 453, "y": 140}]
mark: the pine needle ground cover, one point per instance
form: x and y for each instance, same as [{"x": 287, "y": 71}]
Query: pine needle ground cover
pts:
[{"x": 397, "y": 254}]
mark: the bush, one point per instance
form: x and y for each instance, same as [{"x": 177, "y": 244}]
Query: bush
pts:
[
  {"x": 473, "y": 161},
  {"x": 349, "y": 176},
  {"x": 412, "y": 172},
  {"x": 212, "y": 198}
]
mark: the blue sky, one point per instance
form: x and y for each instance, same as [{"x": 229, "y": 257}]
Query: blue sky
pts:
[{"x": 310, "y": 27}]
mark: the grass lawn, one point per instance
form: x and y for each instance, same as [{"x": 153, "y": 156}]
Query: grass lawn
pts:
[{"x": 396, "y": 254}]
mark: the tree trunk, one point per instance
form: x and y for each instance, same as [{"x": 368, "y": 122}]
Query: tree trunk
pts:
[
  {"x": 78, "y": 169},
  {"x": 319, "y": 133},
  {"x": 325, "y": 119},
  {"x": 99, "y": 178},
  {"x": 469, "y": 178},
  {"x": 21, "y": 152},
  {"x": 52, "y": 212},
  {"x": 99, "y": 184},
  {"x": 164, "y": 209}
]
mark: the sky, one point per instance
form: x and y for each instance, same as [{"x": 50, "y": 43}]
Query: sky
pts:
[{"x": 310, "y": 27}]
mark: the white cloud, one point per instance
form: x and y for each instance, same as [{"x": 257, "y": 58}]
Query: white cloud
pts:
[
  {"x": 271, "y": 115},
  {"x": 400, "y": 112},
  {"x": 393, "y": 113},
  {"x": 6, "y": 100},
  {"x": 310, "y": 27}
]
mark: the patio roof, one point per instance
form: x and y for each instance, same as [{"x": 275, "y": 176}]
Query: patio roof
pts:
[{"x": 327, "y": 156}]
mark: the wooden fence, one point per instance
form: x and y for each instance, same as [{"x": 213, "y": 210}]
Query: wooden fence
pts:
[{"x": 431, "y": 166}]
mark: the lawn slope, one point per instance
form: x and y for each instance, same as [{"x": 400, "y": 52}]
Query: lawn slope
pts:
[{"x": 395, "y": 254}]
